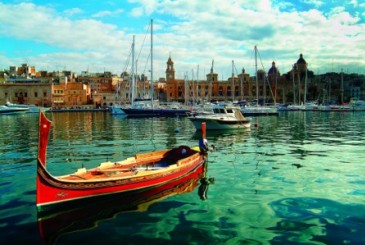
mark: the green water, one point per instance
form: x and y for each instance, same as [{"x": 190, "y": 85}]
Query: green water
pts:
[{"x": 296, "y": 178}]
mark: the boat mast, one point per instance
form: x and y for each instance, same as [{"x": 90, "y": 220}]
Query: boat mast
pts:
[
  {"x": 232, "y": 89},
  {"x": 197, "y": 86},
  {"x": 151, "y": 83},
  {"x": 133, "y": 77},
  {"x": 341, "y": 86},
  {"x": 186, "y": 88},
  {"x": 305, "y": 84},
  {"x": 257, "y": 81},
  {"x": 299, "y": 85},
  {"x": 294, "y": 93},
  {"x": 211, "y": 82},
  {"x": 242, "y": 84}
]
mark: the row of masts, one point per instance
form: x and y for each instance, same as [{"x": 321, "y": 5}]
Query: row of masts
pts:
[
  {"x": 133, "y": 70},
  {"x": 133, "y": 85}
]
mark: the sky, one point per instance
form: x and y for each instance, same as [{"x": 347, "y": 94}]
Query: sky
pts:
[{"x": 96, "y": 36}]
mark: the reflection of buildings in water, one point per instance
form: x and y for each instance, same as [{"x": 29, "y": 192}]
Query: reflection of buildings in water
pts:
[
  {"x": 84, "y": 215},
  {"x": 70, "y": 125}
]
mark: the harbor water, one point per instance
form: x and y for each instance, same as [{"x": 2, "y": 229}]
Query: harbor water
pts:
[{"x": 296, "y": 178}]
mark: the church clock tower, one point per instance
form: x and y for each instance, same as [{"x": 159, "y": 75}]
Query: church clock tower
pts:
[{"x": 170, "y": 71}]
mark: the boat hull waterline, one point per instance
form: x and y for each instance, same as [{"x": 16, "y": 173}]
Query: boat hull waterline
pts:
[{"x": 131, "y": 112}]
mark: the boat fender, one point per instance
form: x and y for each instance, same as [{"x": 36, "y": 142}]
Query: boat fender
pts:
[{"x": 203, "y": 145}]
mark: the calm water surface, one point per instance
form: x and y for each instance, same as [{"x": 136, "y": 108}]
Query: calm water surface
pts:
[{"x": 296, "y": 178}]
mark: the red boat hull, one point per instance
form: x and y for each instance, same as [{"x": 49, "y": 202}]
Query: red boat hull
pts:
[
  {"x": 80, "y": 215},
  {"x": 51, "y": 191}
]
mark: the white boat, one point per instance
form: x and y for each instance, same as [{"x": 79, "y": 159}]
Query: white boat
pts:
[
  {"x": 258, "y": 110},
  {"x": 357, "y": 105},
  {"x": 30, "y": 108},
  {"x": 11, "y": 110},
  {"x": 340, "y": 107},
  {"x": 295, "y": 107},
  {"x": 221, "y": 117},
  {"x": 310, "y": 106}
]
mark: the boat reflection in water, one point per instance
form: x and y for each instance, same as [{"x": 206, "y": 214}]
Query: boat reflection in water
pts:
[{"x": 82, "y": 215}]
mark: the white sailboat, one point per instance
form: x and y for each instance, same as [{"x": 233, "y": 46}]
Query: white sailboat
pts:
[
  {"x": 150, "y": 109},
  {"x": 258, "y": 110}
]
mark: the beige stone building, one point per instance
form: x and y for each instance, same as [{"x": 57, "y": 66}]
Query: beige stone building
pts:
[
  {"x": 36, "y": 93},
  {"x": 70, "y": 94},
  {"x": 101, "y": 86}
]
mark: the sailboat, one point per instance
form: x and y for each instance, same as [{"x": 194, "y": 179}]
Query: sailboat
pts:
[
  {"x": 143, "y": 109},
  {"x": 258, "y": 110}
]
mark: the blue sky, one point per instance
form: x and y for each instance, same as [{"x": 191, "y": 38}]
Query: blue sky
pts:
[{"x": 96, "y": 36}]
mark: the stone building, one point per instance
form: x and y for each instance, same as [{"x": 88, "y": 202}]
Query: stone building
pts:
[
  {"x": 22, "y": 85},
  {"x": 101, "y": 87},
  {"x": 34, "y": 93}
]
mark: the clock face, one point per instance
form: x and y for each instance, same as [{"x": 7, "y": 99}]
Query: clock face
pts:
[{"x": 170, "y": 75}]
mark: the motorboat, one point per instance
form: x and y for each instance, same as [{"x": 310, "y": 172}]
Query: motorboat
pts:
[
  {"x": 31, "y": 108},
  {"x": 221, "y": 117},
  {"x": 11, "y": 110}
]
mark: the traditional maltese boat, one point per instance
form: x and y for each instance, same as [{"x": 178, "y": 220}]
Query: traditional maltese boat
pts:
[{"x": 138, "y": 173}]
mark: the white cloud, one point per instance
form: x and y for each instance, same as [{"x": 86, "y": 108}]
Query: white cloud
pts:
[
  {"x": 73, "y": 11},
  {"x": 108, "y": 13},
  {"x": 315, "y": 3},
  {"x": 30, "y": 22},
  {"x": 354, "y": 3},
  {"x": 195, "y": 32}
]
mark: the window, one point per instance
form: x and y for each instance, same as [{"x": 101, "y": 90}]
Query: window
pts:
[
  {"x": 35, "y": 94},
  {"x": 44, "y": 94}
]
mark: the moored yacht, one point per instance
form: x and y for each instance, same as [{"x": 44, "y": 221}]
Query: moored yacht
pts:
[
  {"x": 27, "y": 107},
  {"x": 11, "y": 110},
  {"x": 221, "y": 117}
]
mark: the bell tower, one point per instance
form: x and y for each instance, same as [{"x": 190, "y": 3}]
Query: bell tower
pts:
[{"x": 170, "y": 71}]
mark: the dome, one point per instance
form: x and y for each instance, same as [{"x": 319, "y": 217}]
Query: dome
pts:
[
  {"x": 301, "y": 60},
  {"x": 273, "y": 69}
]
